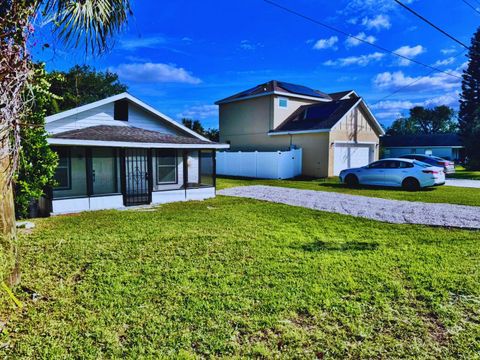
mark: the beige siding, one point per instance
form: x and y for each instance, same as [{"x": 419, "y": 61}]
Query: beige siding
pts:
[
  {"x": 355, "y": 127},
  {"x": 314, "y": 153},
  {"x": 280, "y": 114}
]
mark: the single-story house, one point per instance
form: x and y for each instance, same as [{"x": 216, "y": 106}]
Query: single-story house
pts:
[
  {"x": 447, "y": 146},
  {"x": 335, "y": 131},
  {"x": 120, "y": 151}
]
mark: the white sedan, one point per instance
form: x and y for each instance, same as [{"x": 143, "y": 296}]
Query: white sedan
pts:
[{"x": 406, "y": 173}]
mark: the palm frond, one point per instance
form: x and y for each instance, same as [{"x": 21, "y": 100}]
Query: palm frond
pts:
[{"x": 91, "y": 22}]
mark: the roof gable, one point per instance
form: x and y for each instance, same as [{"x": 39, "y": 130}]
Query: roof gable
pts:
[{"x": 112, "y": 99}]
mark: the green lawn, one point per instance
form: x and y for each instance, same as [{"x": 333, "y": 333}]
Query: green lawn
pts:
[
  {"x": 440, "y": 194},
  {"x": 233, "y": 277},
  {"x": 462, "y": 173}
]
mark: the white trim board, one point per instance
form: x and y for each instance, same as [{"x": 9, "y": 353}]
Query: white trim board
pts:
[
  {"x": 125, "y": 144},
  {"x": 423, "y": 146},
  {"x": 122, "y": 96}
]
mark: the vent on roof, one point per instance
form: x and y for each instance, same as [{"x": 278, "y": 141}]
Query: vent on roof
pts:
[{"x": 120, "y": 110}]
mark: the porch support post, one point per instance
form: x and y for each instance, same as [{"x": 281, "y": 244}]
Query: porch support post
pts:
[
  {"x": 123, "y": 175},
  {"x": 185, "y": 171},
  {"x": 150, "y": 174},
  {"x": 89, "y": 169},
  {"x": 214, "y": 175}
]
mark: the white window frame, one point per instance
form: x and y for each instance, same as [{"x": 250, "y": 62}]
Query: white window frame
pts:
[{"x": 166, "y": 166}]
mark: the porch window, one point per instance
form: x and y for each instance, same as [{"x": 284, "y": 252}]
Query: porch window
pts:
[
  {"x": 104, "y": 171},
  {"x": 166, "y": 166},
  {"x": 207, "y": 176},
  {"x": 63, "y": 172},
  {"x": 71, "y": 175}
]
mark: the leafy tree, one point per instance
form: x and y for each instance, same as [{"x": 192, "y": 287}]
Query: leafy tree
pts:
[
  {"x": 37, "y": 161},
  {"x": 195, "y": 125},
  {"x": 90, "y": 24},
  {"x": 82, "y": 85},
  {"x": 469, "y": 115},
  {"x": 437, "y": 120}
]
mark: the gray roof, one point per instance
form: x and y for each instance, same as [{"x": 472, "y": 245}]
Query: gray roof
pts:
[
  {"x": 279, "y": 86},
  {"x": 126, "y": 134},
  {"x": 322, "y": 115},
  {"x": 340, "y": 94},
  {"x": 421, "y": 140}
]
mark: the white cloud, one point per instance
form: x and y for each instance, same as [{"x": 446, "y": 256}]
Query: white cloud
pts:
[
  {"x": 410, "y": 52},
  {"x": 378, "y": 22},
  {"x": 141, "y": 42},
  {"x": 199, "y": 112},
  {"x": 248, "y": 45},
  {"x": 444, "y": 62},
  {"x": 350, "y": 42},
  {"x": 448, "y": 51},
  {"x": 395, "y": 80},
  {"x": 326, "y": 43},
  {"x": 392, "y": 109},
  {"x": 155, "y": 72},
  {"x": 362, "y": 60}
]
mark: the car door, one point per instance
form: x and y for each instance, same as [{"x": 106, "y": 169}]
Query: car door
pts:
[
  {"x": 374, "y": 174},
  {"x": 394, "y": 173}
]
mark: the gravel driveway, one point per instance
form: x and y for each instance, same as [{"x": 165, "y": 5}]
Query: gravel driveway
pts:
[
  {"x": 463, "y": 183},
  {"x": 392, "y": 211}
]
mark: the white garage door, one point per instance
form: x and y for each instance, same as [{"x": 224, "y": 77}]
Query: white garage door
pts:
[{"x": 351, "y": 156}]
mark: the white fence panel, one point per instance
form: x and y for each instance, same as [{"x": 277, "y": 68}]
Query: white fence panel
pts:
[{"x": 265, "y": 165}]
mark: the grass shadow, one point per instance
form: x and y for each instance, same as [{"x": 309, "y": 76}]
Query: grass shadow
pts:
[
  {"x": 346, "y": 246},
  {"x": 372, "y": 187}
]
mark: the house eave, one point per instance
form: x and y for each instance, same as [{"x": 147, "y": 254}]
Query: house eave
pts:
[
  {"x": 299, "y": 132},
  {"x": 125, "y": 144},
  {"x": 279, "y": 93},
  {"x": 423, "y": 146}
]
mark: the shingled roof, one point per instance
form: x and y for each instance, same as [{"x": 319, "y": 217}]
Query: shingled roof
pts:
[
  {"x": 276, "y": 86},
  {"x": 319, "y": 116},
  {"x": 421, "y": 140},
  {"x": 127, "y": 134}
]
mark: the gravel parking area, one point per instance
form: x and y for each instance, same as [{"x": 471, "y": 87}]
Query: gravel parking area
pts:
[
  {"x": 392, "y": 211},
  {"x": 463, "y": 183}
]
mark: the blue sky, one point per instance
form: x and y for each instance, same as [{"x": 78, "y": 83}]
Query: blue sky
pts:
[{"x": 181, "y": 56}]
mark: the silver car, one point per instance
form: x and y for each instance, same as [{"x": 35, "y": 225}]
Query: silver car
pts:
[{"x": 406, "y": 173}]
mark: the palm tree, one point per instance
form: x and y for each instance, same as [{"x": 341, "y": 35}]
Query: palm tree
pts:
[{"x": 90, "y": 24}]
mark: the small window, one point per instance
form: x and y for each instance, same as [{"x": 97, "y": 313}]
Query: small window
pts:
[
  {"x": 429, "y": 152},
  {"x": 120, "y": 110},
  {"x": 282, "y": 102},
  {"x": 166, "y": 167},
  {"x": 62, "y": 173}
]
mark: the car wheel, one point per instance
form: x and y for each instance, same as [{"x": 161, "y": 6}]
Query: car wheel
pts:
[
  {"x": 411, "y": 184},
  {"x": 351, "y": 180}
]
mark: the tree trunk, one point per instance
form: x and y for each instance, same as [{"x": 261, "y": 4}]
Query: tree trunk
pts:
[{"x": 8, "y": 253}]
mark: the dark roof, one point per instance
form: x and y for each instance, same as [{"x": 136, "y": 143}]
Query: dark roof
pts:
[
  {"x": 322, "y": 115},
  {"x": 421, "y": 140},
  {"x": 274, "y": 85},
  {"x": 126, "y": 134},
  {"x": 340, "y": 94}
]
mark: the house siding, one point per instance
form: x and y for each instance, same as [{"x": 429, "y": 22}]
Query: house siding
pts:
[
  {"x": 355, "y": 127},
  {"x": 104, "y": 115}
]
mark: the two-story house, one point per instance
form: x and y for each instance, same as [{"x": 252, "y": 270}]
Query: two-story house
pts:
[{"x": 335, "y": 131}]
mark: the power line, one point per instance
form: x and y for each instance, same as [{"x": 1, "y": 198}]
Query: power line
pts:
[
  {"x": 473, "y": 7},
  {"x": 357, "y": 38},
  {"x": 430, "y": 23}
]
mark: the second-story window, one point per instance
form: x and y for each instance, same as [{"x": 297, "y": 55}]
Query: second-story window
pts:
[{"x": 282, "y": 102}]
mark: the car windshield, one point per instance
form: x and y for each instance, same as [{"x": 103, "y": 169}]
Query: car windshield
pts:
[{"x": 421, "y": 164}]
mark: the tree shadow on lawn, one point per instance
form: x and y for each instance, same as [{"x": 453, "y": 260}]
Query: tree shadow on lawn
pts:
[
  {"x": 372, "y": 187},
  {"x": 342, "y": 246}
]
